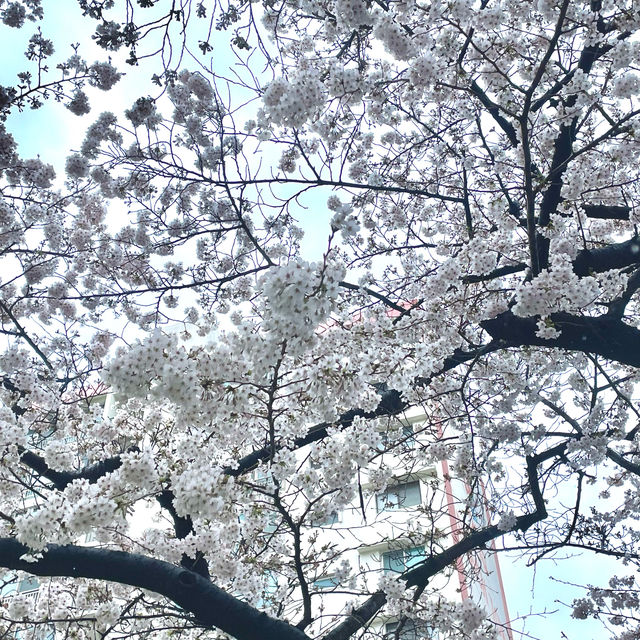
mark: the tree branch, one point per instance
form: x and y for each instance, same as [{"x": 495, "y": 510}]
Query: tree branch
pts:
[
  {"x": 494, "y": 110},
  {"x": 182, "y": 527},
  {"x": 606, "y": 212},
  {"x": 61, "y": 479},
  {"x": 606, "y": 336},
  {"x": 613, "y": 256},
  {"x": 211, "y": 606}
]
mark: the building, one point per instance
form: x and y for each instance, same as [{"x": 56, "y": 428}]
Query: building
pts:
[{"x": 389, "y": 531}]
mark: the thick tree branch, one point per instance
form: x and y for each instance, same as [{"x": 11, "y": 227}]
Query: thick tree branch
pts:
[
  {"x": 496, "y": 273},
  {"x": 618, "y": 306},
  {"x": 359, "y": 617},
  {"x": 613, "y": 256},
  {"x": 587, "y": 58},
  {"x": 61, "y": 479},
  {"x": 210, "y": 605},
  {"x": 563, "y": 148},
  {"x": 494, "y": 110},
  {"x": 588, "y": 261},
  {"x": 606, "y": 336},
  {"x": 623, "y": 462},
  {"x": 606, "y": 212},
  {"x": 182, "y": 527}
]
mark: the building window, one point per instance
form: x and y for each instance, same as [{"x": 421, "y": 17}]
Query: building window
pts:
[
  {"x": 405, "y": 433},
  {"x": 399, "y": 496},
  {"x": 41, "y": 632},
  {"x": 28, "y": 583},
  {"x": 409, "y": 630},
  {"x": 262, "y": 476},
  {"x": 477, "y": 514},
  {"x": 327, "y": 582},
  {"x": 331, "y": 518},
  {"x": 10, "y": 585},
  {"x": 400, "y": 560},
  {"x": 273, "y": 523}
]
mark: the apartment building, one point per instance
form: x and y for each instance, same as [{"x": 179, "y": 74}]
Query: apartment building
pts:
[{"x": 418, "y": 514}]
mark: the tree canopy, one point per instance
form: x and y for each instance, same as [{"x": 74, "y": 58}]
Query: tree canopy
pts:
[{"x": 315, "y": 218}]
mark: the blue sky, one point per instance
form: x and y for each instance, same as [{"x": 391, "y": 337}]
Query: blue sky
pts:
[{"x": 51, "y": 130}]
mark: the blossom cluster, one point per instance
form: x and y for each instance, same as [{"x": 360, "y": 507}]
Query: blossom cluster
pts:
[
  {"x": 292, "y": 103},
  {"x": 103, "y": 129},
  {"x": 144, "y": 112},
  {"x": 191, "y": 94},
  {"x": 14, "y": 15},
  {"x": 343, "y": 219},
  {"x": 299, "y": 297},
  {"x": 556, "y": 289},
  {"x": 103, "y": 75},
  {"x": 353, "y": 14}
]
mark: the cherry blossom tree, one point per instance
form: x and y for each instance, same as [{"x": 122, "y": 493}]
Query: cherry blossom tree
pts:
[{"x": 469, "y": 172}]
